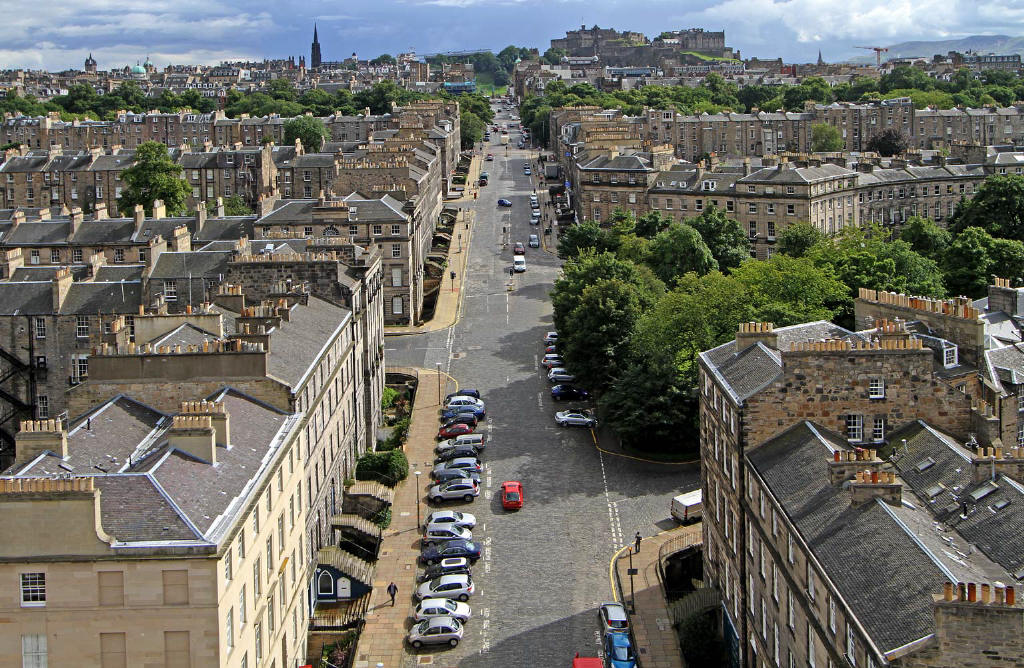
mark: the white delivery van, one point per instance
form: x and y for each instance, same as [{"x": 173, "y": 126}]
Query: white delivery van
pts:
[
  {"x": 519, "y": 264},
  {"x": 687, "y": 507}
]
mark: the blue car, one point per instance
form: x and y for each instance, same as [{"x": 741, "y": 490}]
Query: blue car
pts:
[
  {"x": 467, "y": 392},
  {"x": 452, "y": 548},
  {"x": 504, "y": 202},
  {"x": 455, "y": 411},
  {"x": 570, "y": 392},
  {"x": 618, "y": 649}
]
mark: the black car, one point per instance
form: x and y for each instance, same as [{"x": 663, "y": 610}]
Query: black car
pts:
[
  {"x": 438, "y": 570},
  {"x": 456, "y": 452},
  {"x": 451, "y": 548},
  {"x": 462, "y": 418},
  {"x": 467, "y": 392},
  {"x": 559, "y": 392},
  {"x": 455, "y": 474}
]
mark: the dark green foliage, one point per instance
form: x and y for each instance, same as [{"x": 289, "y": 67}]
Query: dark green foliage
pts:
[
  {"x": 389, "y": 468},
  {"x": 825, "y": 137},
  {"x": 724, "y": 237},
  {"x": 997, "y": 207},
  {"x": 153, "y": 176},
  {"x": 888, "y": 142},
  {"x": 798, "y": 238},
  {"x": 307, "y": 129}
]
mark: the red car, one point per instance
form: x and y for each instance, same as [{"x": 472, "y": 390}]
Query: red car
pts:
[
  {"x": 453, "y": 430},
  {"x": 512, "y": 495},
  {"x": 519, "y": 249}
]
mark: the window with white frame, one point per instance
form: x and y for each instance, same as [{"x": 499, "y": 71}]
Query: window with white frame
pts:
[
  {"x": 82, "y": 326},
  {"x": 42, "y": 406},
  {"x": 876, "y": 388},
  {"x": 1020, "y": 399},
  {"x": 396, "y": 230},
  {"x": 789, "y": 548},
  {"x": 810, "y": 646},
  {"x": 170, "y": 291},
  {"x": 1020, "y": 435},
  {"x": 832, "y": 614},
  {"x": 949, "y": 356},
  {"x": 790, "y": 610},
  {"x": 378, "y": 230},
  {"x": 396, "y": 250},
  {"x": 397, "y": 307},
  {"x": 33, "y": 590},
  {"x": 775, "y": 642},
  {"x": 810, "y": 581},
  {"x": 228, "y": 564},
  {"x": 40, "y": 326},
  {"x": 855, "y": 427},
  {"x": 878, "y": 429},
  {"x": 33, "y": 650},
  {"x": 851, "y": 649}
]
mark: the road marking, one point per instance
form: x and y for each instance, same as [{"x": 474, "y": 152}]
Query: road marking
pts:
[
  {"x": 615, "y": 527},
  {"x": 611, "y": 572},
  {"x": 540, "y": 400},
  {"x": 485, "y": 628}
]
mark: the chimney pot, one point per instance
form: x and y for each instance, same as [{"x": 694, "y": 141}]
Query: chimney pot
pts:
[
  {"x": 961, "y": 591},
  {"x": 986, "y": 593},
  {"x": 972, "y": 592},
  {"x": 947, "y": 591},
  {"x": 1011, "y": 598}
]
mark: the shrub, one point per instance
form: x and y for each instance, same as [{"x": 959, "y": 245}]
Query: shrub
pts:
[
  {"x": 397, "y": 436},
  {"x": 387, "y": 398},
  {"x": 388, "y": 467},
  {"x": 383, "y": 518}
]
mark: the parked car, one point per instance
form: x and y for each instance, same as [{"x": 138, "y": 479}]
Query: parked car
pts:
[
  {"x": 441, "y": 607},
  {"x": 457, "y": 452},
  {"x": 527, "y": 171},
  {"x": 490, "y": 157},
  {"x": 535, "y": 218},
  {"x": 467, "y": 392},
  {"x": 435, "y": 534},
  {"x": 534, "y": 204},
  {"x": 559, "y": 392},
  {"x": 447, "y": 566},
  {"x": 464, "y": 400},
  {"x": 575, "y": 419},
  {"x": 560, "y": 375},
  {"x": 552, "y": 360},
  {"x": 449, "y": 414},
  {"x": 453, "y": 517},
  {"x": 534, "y": 241},
  {"x": 466, "y": 489},
  {"x": 453, "y": 548},
  {"x": 519, "y": 248},
  {"x": 613, "y": 618},
  {"x": 469, "y": 464},
  {"x": 447, "y": 586},
  {"x": 551, "y": 337},
  {"x": 436, "y": 631},
  {"x": 618, "y": 649},
  {"x": 453, "y": 430},
  {"x": 504, "y": 202},
  {"x": 464, "y": 418},
  {"x": 687, "y": 507},
  {"x": 512, "y": 495},
  {"x": 475, "y": 440},
  {"x": 456, "y": 474}
]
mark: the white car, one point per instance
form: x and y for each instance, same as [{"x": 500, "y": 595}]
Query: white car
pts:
[
  {"x": 450, "y": 443},
  {"x": 560, "y": 375},
  {"x": 465, "y": 401},
  {"x": 441, "y": 533},
  {"x": 461, "y": 488},
  {"x": 575, "y": 419},
  {"x": 519, "y": 264},
  {"x": 458, "y": 586},
  {"x": 436, "y": 631},
  {"x": 441, "y": 607},
  {"x": 551, "y": 337},
  {"x": 467, "y": 520}
]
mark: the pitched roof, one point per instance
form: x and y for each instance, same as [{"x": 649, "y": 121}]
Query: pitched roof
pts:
[
  {"x": 297, "y": 342},
  {"x": 191, "y": 263}
]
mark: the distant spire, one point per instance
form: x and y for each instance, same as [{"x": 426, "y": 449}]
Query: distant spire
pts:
[
  {"x": 314, "y": 33},
  {"x": 820, "y": 61}
]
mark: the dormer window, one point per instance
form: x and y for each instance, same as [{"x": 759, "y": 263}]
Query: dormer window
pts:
[
  {"x": 708, "y": 185},
  {"x": 949, "y": 356}
]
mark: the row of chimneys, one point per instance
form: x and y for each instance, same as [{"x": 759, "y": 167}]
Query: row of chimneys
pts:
[
  {"x": 214, "y": 346},
  {"x": 841, "y": 345},
  {"x": 990, "y": 594},
  {"x": 959, "y": 307}
]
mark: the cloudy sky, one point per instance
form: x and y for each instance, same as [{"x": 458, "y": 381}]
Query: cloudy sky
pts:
[{"x": 207, "y": 31}]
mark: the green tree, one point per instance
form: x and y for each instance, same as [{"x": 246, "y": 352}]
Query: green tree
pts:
[
  {"x": 997, "y": 207},
  {"x": 588, "y": 269},
  {"x": 383, "y": 59},
  {"x": 471, "y": 128},
  {"x": 967, "y": 262},
  {"x": 649, "y": 224},
  {"x": 798, "y": 238},
  {"x": 926, "y": 237},
  {"x": 825, "y": 137},
  {"x": 787, "y": 290},
  {"x": 598, "y": 329},
  {"x": 307, "y": 129},
  {"x": 577, "y": 239},
  {"x": 233, "y": 206},
  {"x": 888, "y": 142},
  {"x": 153, "y": 176},
  {"x": 724, "y": 237},
  {"x": 677, "y": 250}
]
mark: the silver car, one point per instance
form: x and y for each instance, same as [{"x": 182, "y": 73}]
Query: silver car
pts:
[
  {"x": 560, "y": 375},
  {"x": 454, "y": 517},
  {"x": 575, "y": 419},
  {"x": 441, "y": 607},
  {"x": 458, "y": 586},
  {"x": 436, "y": 631},
  {"x": 467, "y": 464},
  {"x": 440, "y": 533},
  {"x": 461, "y": 488}
]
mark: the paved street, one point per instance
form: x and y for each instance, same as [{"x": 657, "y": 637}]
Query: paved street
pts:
[{"x": 546, "y": 567}]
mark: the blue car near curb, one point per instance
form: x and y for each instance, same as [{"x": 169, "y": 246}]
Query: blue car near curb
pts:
[
  {"x": 619, "y": 650},
  {"x": 455, "y": 411},
  {"x": 452, "y": 548}
]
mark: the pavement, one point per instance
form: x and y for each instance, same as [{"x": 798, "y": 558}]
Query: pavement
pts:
[{"x": 545, "y": 568}]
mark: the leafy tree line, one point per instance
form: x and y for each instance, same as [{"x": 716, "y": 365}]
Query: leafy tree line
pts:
[
  {"x": 498, "y": 66},
  {"x": 640, "y": 298}
]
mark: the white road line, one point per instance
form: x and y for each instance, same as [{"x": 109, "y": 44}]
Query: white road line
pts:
[{"x": 615, "y": 527}]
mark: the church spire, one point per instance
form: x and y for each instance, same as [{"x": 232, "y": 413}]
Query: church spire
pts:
[
  {"x": 315, "y": 40},
  {"x": 314, "y": 55}
]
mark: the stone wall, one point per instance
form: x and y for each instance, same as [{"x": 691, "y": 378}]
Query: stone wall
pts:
[{"x": 167, "y": 396}]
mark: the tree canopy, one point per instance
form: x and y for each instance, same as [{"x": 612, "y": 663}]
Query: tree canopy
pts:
[
  {"x": 310, "y": 130},
  {"x": 153, "y": 176}
]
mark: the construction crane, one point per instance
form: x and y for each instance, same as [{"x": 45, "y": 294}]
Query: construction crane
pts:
[{"x": 879, "y": 50}]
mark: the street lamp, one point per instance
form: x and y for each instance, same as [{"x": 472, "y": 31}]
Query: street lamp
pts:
[
  {"x": 419, "y": 492},
  {"x": 438, "y": 383},
  {"x": 632, "y": 593},
  {"x": 460, "y": 243}
]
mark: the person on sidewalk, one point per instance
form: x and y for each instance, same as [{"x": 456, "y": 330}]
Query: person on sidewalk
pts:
[
  {"x": 637, "y": 540},
  {"x": 393, "y": 589}
]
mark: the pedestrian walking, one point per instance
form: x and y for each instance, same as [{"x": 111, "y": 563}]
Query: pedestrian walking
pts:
[
  {"x": 393, "y": 588},
  {"x": 637, "y": 540}
]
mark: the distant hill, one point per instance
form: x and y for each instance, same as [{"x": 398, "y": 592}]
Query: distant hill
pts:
[{"x": 997, "y": 44}]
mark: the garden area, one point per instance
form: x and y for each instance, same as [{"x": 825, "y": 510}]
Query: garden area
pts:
[{"x": 387, "y": 464}]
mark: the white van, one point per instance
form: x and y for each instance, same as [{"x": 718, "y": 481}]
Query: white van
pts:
[
  {"x": 687, "y": 507},
  {"x": 519, "y": 264},
  {"x": 476, "y": 440}
]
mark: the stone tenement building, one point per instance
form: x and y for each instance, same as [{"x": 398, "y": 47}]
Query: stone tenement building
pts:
[{"x": 861, "y": 486}]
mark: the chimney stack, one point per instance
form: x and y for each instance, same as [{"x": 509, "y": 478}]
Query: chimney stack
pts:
[
  {"x": 99, "y": 212},
  {"x": 159, "y": 210},
  {"x": 194, "y": 435},
  {"x": 139, "y": 214},
  {"x": 39, "y": 436},
  {"x": 751, "y": 332},
  {"x": 59, "y": 287},
  {"x": 76, "y": 219},
  {"x": 218, "y": 416}
]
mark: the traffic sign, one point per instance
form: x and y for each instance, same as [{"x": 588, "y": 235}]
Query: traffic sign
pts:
[{"x": 568, "y": 185}]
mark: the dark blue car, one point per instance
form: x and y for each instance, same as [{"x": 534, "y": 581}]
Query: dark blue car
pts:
[
  {"x": 504, "y": 202},
  {"x": 451, "y": 548},
  {"x": 456, "y": 411},
  {"x": 467, "y": 392},
  {"x": 570, "y": 392}
]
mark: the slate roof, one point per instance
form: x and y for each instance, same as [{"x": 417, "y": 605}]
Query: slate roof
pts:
[
  {"x": 790, "y": 173},
  {"x": 871, "y": 552},
  {"x": 120, "y": 272},
  {"x": 186, "y": 334},
  {"x": 91, "y": 298},
  {"x": 134, "y": 508},
  {"x": 198, "y": 264},
  {"x": 748, "y": 371},
  {"x": 295, "y": 345},
  {"x": 25, "y": 298}
]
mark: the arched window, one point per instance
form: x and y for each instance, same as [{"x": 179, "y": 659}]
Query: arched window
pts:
[
  {"x": 325, "y": 584},
  {"x": 331, "y": 231}
]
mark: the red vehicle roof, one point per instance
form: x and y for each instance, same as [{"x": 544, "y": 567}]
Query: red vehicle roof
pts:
[{"x": 587, "y": 662}]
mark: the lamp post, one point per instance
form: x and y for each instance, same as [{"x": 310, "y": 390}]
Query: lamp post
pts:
[
  {"x": 632, "y": 592},
  {"x": 419, "y": 492},
  {"x": 439, "y": 384}
]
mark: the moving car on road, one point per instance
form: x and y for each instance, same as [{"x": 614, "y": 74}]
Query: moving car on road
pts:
[
  {"x": 512, "y": 495},
  {"x": 560, "y": 375},
  {"x": 504, "y": 202},
  {"x": 453, "y": 548},
  {"x": 519, "y": 248},
  {"x": 436, "y": 631},
  {"x": 559, "y": 392},
  {"x": 534, "y": 241},
  {"x": 466, "y": 489},
  {"x": 575, "y": 419},
  {"x": 519, "y": 264},
  {"x": 447, "y": 586},
  {"x": 441, "y": 607}
]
